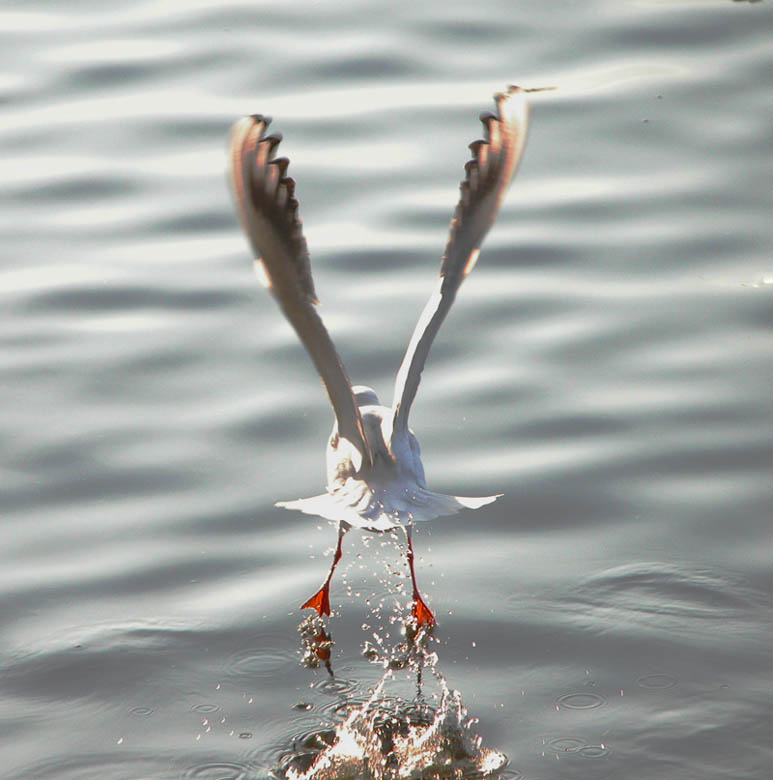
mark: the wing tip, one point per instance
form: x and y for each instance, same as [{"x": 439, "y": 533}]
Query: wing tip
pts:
[
  {"x": 261, "y": 185},
  {"x": 260, "y": 119}
]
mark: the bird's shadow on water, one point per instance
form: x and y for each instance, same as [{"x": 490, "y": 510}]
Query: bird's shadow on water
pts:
[{"x": 387, "y": 732}]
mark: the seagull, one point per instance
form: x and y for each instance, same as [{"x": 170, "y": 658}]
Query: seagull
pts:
[{"x": 375, "y": 477}]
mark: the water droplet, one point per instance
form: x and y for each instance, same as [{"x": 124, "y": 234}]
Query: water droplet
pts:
[{"x": 141, "y": 711}]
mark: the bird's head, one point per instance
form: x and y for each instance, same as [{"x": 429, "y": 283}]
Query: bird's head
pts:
[{"x": 365, "y": 396}]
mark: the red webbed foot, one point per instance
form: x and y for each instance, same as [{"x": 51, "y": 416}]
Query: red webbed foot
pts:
[
  {"x": 320, "y": 601},
  {"x": 422, "y": 613}
]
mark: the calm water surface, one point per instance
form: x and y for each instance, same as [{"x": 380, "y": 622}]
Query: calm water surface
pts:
[{"x": 607, "y": 367}]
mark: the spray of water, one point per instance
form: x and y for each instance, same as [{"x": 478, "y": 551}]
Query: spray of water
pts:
[{"x": 393, "y": 738}]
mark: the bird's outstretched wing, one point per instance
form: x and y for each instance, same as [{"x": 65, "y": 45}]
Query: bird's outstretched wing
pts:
[
  {"x": 487, "y": 177},
  {"x": 268, "y": 212}
]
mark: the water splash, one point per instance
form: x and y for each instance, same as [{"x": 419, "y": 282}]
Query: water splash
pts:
[{"x": 391, "y": 738}]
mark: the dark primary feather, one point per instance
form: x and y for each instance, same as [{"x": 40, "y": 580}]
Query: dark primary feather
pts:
[
  {"x": 265, "y": 199},
  {"x": 487, "y": 176}
]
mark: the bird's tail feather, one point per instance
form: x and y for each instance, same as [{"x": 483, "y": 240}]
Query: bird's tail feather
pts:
[{"x": 382, "y": 512}]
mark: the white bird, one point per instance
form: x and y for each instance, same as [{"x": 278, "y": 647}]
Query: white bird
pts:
[{"x": 375, "y": 477}]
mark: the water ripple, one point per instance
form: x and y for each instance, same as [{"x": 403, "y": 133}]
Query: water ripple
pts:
[{"x": 667, "y": 589}]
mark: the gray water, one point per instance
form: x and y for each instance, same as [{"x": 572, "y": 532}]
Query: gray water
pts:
[{"x": 607, "y": 367}]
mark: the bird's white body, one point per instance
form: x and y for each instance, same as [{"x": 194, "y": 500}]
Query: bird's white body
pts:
[{"x": 389, "y": 493}]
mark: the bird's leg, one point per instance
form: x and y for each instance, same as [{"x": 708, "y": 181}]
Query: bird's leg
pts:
[
  {"x": 321, "y": 599},
  {"x": 421, "y": 612}
]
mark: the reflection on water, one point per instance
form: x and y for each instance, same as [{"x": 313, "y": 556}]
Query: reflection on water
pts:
[
  {"x": 316, "y": 642},
  {"x": 428, "y": 736}
]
